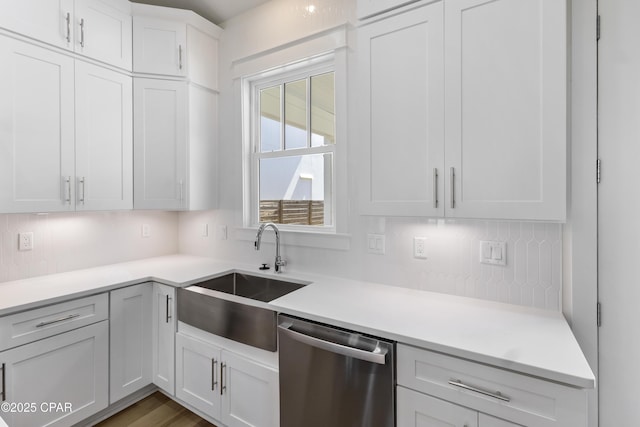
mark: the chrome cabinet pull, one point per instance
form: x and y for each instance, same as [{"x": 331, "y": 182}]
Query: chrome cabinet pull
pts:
[
  {"x": 68, "y": 19},
  {"x": 435, "y": 188},
  {"x": 82, "y": 32},
  {"x": 81, "y": 182},
  {"x": 496, "y": 395},
  {"x": 214, "y": 383},
  {"x": 62, "y": 319},
  {"x": 453, "y": 186},
  {"x": 4, "y": 388},
  {"x": 168, "y": 311},
  {"x": 222, "y": 386},
  {"x": 180, "y": 56},
  {"x": 67, "y": 189},
  {"x": 378, "y": 355},
  {"x": 181, "y": 190}
]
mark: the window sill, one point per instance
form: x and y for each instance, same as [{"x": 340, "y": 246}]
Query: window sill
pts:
[{"x": 309, "y": 239}]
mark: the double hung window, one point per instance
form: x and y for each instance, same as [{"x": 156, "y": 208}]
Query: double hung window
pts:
[{"x": 293, "y": 148}]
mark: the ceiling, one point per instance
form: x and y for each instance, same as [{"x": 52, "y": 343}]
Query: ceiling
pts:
[{"x": 216, "y": 11}]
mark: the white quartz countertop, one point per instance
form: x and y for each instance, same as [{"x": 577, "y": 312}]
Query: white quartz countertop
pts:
[{"x": 532, "y": 341}]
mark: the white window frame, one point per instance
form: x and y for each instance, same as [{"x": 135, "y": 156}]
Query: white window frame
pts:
[{"x": 295, "y": 71}]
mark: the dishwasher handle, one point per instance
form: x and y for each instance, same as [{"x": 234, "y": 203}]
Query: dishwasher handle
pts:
[{"x": 378, "y": 355}]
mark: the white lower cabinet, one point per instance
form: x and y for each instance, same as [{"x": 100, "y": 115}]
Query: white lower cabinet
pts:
[
  {"x": 419, "y": 410},
  {"x": 57, "y": 381},
  {"x": 224, "y": 385},
  {"x": 163, "y": 339},
  {"x": 439, "y": 390},
  {"x": 130, "y": 349}
]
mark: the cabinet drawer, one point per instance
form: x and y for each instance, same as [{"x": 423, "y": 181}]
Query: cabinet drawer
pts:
[
  {"x": 520, "y": 398},
  {"x": 33, "y": 325}
]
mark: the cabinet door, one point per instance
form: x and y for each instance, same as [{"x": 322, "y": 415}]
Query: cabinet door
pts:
[
  {"x": 104, "y": 139},
  {"x": 130, "y": 350},
  {"x": 36, "y": 129},
  {"x": 401, "y": 100},
  {"x": 485, "y": 420},
  {"x": 103, "y": 31},
  {"x": 70, "y": 369},
  {"x": 420, "y": 410},
  {"x": 164, "y": 335},
  {"x": 198, "y": 371},
  {"x": 159, "y": 46},
  {"x": 160, "y": 139},
  {"x": 50, "y": 21},
  {"x": 250, "y": 393},
  {"x": 506, "y": 109}
]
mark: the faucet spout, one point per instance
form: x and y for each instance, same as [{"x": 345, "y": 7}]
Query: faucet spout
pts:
[{"x": 279, "y": 262}]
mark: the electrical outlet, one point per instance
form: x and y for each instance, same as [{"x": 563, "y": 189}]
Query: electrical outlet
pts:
[
  {"x": 146, "y": 230},
  {"x": 222, "y": 232},
  {"x": 205, "y": 230},
  {"x": 25, "y": 241},
  {"x": 420, "y": 247}
]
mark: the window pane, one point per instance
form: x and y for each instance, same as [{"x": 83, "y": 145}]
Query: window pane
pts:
[
  {"x": 296, "y": 189},
  {"x": 270, "y": 120},
  {"x": 323, "y": 119},
  {"x": 295, "y": 113}
]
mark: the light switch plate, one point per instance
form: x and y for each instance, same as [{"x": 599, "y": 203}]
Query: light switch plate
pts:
[
  {"x": 493, "y": 253},
  {"x": 375, "y": 244}
]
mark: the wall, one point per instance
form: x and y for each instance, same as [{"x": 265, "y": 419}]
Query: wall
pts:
[
  {"x": 533, "y": 276},
  {"x": 70, "y": 241}
]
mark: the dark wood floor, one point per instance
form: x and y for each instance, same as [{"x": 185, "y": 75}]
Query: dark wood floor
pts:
[{"x": 156, "y": 410}]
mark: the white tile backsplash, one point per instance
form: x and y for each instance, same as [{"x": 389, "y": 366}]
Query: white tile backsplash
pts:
[
  {"x": 71, "y": 241},
  {"x": 532, "y": 276}
]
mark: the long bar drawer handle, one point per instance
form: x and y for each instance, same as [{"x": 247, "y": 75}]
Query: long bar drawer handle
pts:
[
  {"x": 222, "y": 386},
  {"x": 496, "y": 395},
  {"x": 214, "y": 383},
  {"x": 4, "y": 386},
  {"x": 62, "y": 319},
  {"x": 377, "y": 356}
]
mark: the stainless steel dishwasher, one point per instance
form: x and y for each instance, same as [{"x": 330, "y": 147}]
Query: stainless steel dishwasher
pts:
[{"x": 332, "y": 377}]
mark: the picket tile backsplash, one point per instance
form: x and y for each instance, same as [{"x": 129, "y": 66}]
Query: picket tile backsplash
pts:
[{"x": 71, "y": 241}]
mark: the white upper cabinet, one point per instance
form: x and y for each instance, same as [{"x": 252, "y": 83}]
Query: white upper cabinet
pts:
[
  {"x": 175, "y": 42},
  {"x": 160, "y": 133},
  {"x": 175, "y": 143},
  {"x": 175, "y": 109},
  {"x": 465, "y": 110},
  {"x": 103, "y": 31},
  {"x": 65, "y": 149},
  {"x": 36, "y": 129},
  {"x": 506, "y": 108},
  {"x": 402, "y": 81},
  {"x": 104, "y": 139},
  {"x": 50, "y": 21},
  {"x": 98, "y": 29},
  {"x": 160, "y": 46}
]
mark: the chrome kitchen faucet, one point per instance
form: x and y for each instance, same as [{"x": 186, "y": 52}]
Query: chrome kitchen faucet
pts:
[{"x": 279, "y": 263}]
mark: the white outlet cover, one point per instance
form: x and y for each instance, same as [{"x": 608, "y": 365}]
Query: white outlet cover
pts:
[
  {"x": 222, "y": 232},
  {"x": 146, "y": 230},
  {"x": 25, "y": 241},
  {"x": 420, "y": 247}
]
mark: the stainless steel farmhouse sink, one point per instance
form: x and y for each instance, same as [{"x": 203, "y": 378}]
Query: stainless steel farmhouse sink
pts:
[{"x": 256, "y": 326}]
